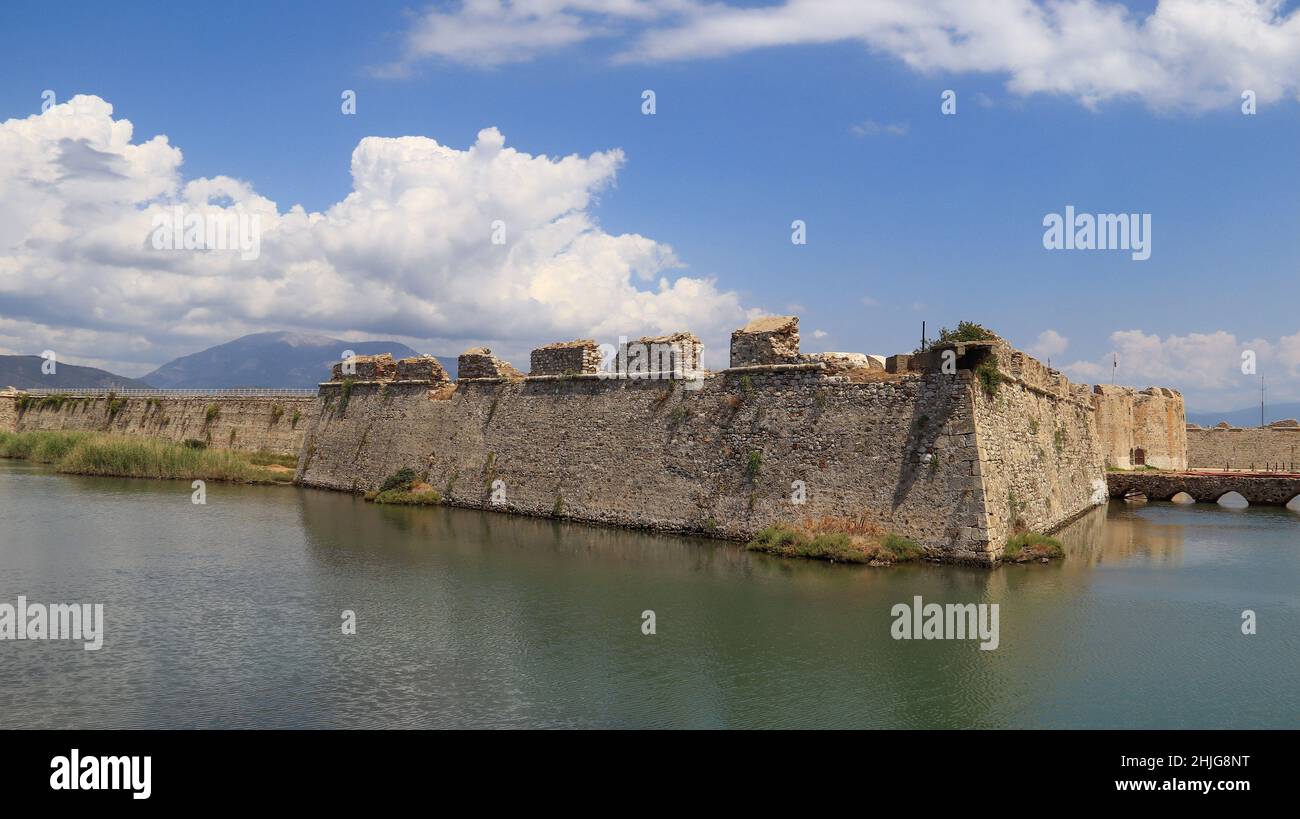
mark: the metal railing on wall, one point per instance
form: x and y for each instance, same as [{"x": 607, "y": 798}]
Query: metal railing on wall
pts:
[{"x": 128, "y": 392}]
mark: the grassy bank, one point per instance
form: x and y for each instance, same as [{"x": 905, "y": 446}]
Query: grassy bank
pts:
[
  {"x": 405, "y": 488},
  {"x": 836, "y": 540},
  {"x": 1028, "y": 546},
  {"x": 96, "y": 453}
]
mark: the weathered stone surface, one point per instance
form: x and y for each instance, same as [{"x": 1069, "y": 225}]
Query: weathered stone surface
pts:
[
  {"x": 842, "y": 363},
  {"x": 767, "y": 340},
  {"x": 566, "y": 358},
  {"x": 268, "y": 424},
  {"x": 421, "y": 368},
  {"x": 1141, "y": 427},
  {"x": 478, "y": 362},
  {"x": 380, "y": 367},
  {"x": 929, "y": 455},
  {"x": 1260, "y": 448},
  {"x": 675, "y": 354},
  {"x": 1257, "y": 489},
  {"x": 900, "y": 363}
]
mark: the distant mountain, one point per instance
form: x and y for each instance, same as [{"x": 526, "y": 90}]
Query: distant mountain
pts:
[
  {"x": 269, "y": 360},
  {"x": 1248, "y": 417},
  {"x": 24, "y": 372}
]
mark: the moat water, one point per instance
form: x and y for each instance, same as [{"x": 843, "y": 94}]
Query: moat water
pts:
[{"x": 228, "y": 615}]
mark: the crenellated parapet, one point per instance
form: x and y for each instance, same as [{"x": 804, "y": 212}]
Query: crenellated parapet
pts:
[
  {"x": 479, "y": 362},
  {"x": 380, "y": 367},
  {"x": 581, "y": 357},
  {"x": 766, "y": 340}
]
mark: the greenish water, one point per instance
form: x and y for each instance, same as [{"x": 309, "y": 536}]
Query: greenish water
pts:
[{"x": 228, "y": 615}]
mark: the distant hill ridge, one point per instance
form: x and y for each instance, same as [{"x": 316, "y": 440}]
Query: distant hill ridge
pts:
[
  {"x": 24, "y": 372},
  {"x": 1248, "y": 417},
  {"x": 275, "y": 359}
]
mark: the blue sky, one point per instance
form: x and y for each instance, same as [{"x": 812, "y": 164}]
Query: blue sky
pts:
[{"x": 912, "y": 216}]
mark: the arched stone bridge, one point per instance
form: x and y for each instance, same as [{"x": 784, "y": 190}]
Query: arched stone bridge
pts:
[{"x": 1206, "y": 487}]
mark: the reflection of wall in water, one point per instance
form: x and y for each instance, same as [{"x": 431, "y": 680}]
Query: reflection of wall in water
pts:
[{"x": 1115, "y": 533}]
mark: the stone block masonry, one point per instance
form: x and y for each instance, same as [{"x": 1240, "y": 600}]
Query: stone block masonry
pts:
[
  {"x": 1271, "y": 448},
  {"x": 478, "y": 362},
  {"x": 671, "y": 355},
  {"x": 276, "y": 424},
  {"x": 767, "y": 340},
  {"x": 721, "y": 460},
  {"x": 421, "y": 368},
  {"x": 566, "y": 358},
  {"x": 1142, "y": 428},
  {"x": 366, "y": 368}
]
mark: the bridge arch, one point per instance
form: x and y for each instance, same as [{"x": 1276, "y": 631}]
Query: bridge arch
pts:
[
  {"x": 1183, "y": 497},
  {"x": 1294, "y": 504},
  {"x": 1233, "y": 500}
]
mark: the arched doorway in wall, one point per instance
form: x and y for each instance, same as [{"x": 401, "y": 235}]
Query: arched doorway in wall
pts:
[{"x": 1139, "y": 457}]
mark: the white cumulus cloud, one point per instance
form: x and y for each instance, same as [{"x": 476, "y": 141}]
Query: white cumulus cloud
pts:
[
  {"x": 407, "y": 254},
  {"x": 1048, "y": 345},
  {"x": 1206, "y": 367},
  {"x": 1194, "y": 54}
]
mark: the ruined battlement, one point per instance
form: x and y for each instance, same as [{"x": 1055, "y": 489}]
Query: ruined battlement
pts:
[{"x": 566, "y": 358}]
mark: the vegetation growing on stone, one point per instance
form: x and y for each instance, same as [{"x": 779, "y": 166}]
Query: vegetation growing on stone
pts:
[
  {"x": 753, "y": 465},
  {"x": 966, "y": 331},
  {"x": 402, "y": 480},
  {"x": 213, "y": 411},
  {"x": 115, "y": 405},
  {"x": 405, "y": 487},
  {"x": 1027, "y": 546},
  {"x": 990, "y": 377},
  {"x": 837, "y": 540}
]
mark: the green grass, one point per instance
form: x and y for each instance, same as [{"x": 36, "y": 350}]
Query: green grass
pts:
[
  {"x": 401, "y": 480},
  {"x": 94, "y": 453},
  {"x": 839, "y": 547},
  {"x": 404, "y": 487},
  {"x": 41, "y": 446},
  {"x": 990, "y": 377},
  {"x": 1032, "y": 546},
  {"x": 405, "y": 498}
]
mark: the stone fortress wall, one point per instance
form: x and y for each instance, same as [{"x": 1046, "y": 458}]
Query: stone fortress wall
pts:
[
  {"x": 938, "y": 454},
  {"x": 957, "y": 447},
  {"x": 1142, "y": 427},
  {"x": 1275, "y": 447},
  {"x": 276, "y": 424}
]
